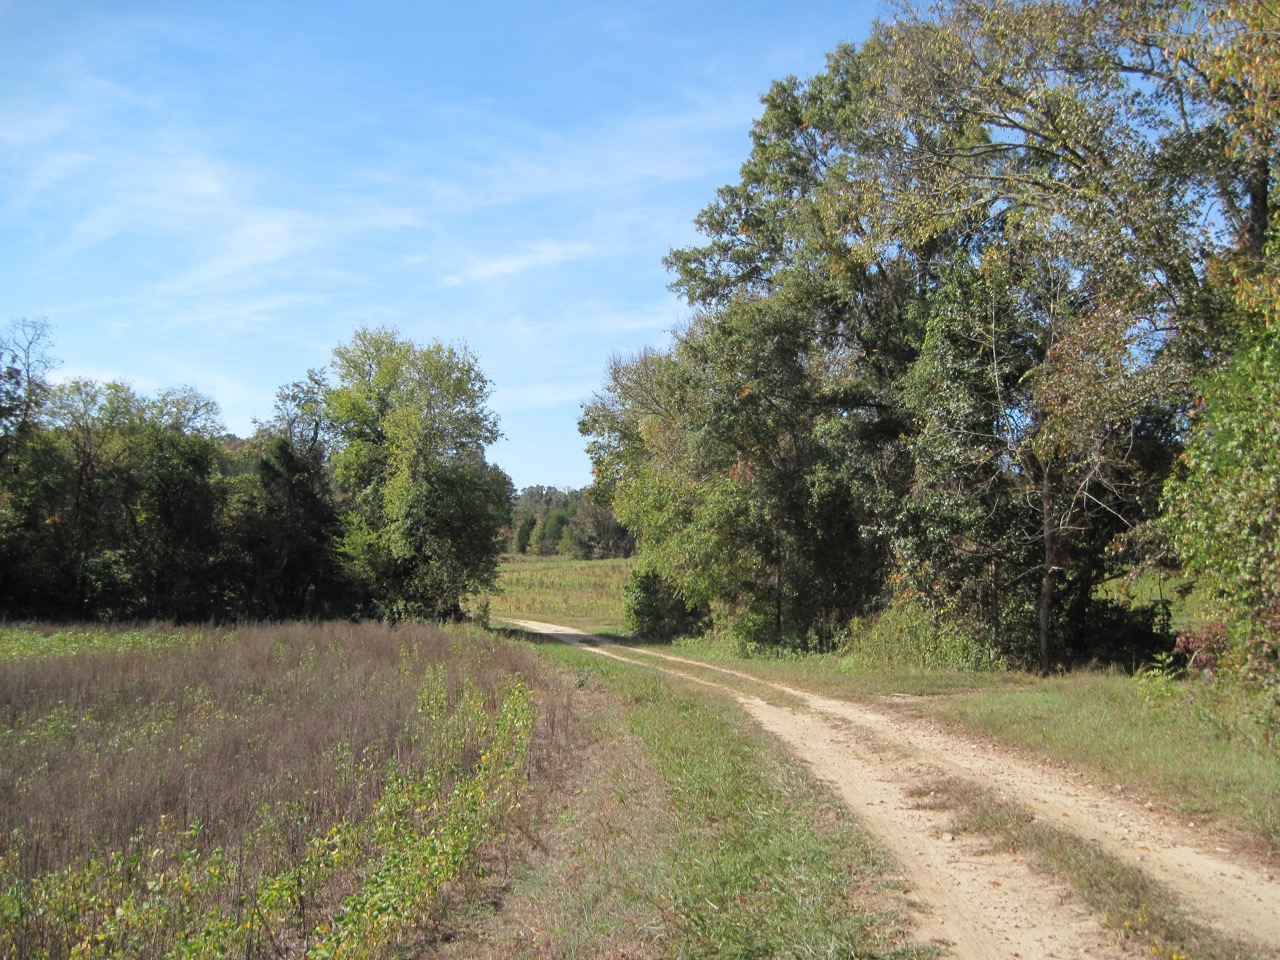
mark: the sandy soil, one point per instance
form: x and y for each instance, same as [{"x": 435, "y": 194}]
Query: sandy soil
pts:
[{"x": 973, "y": 901}]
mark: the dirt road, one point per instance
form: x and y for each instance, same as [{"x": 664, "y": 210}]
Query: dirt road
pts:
[{"x": 975, "y": 902}]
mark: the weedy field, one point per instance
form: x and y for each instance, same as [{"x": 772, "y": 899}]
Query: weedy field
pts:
[
  {"x": 586, "y": 594},
  {"x": 290, "y": 791},
  {"x": 349, "y": 791}
]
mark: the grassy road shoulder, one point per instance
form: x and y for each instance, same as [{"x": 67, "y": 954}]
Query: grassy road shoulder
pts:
[
  {"x": 689, "y": 833},
  {"x": 1161, "y": 740},
  {"x": 1124, "y": 897}
]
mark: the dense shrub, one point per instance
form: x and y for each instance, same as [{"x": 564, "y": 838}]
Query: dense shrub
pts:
[{"x": 654, "y": 609}]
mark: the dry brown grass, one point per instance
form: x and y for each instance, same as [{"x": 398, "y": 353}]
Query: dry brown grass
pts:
[
  {"x": 104, "y": 745},
  {"x": 570, "y": 880},
  {"x": 262, "y": 737}
]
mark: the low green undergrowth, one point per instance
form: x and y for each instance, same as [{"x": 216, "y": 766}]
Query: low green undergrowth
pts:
[
  {"x": 49, "y": 642},
  {"x": 274, "y": 792}
]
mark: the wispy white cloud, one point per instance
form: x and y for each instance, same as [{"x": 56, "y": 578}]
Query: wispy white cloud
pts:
[
  {"x": 539, "y": 396},
  {"x": 499, "y": 160},
  {"x": 254, "y": 238},
  {"x": 546, "y": 253},
  {"x": 589, "y": 320},
  {"x": 236, "y": 196},
  {"x": 26, "y": 125}
]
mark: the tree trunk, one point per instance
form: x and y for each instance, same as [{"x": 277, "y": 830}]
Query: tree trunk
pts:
[
  {"x": 1046, "y": 582},
  {"x": 1259, "y": 205},
  {"x": 777, "y": 606},
  {"x": 995, "y": 612}
]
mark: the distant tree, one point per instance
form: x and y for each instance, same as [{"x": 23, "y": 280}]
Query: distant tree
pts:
[
  {"x": 545, "y": 538},
  {"x": 594, "y": 533},
  {"x": 171, "y": 510},
  {"x": 114, "y": 504},
  {"x": 283, "y": 522},
  {"x": 523, "y": 531},
  {"x": 24, "y": 463},
  {"x": 24, "y": 368},
  {"x": 281, "y": 534}
]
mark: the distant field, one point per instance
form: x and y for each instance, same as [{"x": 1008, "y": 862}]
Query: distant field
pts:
[
  {"x": 586, "y": 594},
  {"x": 1188, "y": 607},
  {"x": 270, "y": 792}
]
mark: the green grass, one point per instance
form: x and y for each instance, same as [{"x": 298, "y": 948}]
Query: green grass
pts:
[
  {"x": 1189, "y": 744},
  {"x": 838, "y": 676},
  {"x": 1180, "y": 748},
  {"x": 586, "y": 594},
  {"x": 1188, "y": 605},
  {"x": 746, "y": 856}
]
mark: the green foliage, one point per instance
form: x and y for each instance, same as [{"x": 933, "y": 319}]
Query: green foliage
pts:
[
  {"x": 654, "y": 609},
  {"x": 730, "y": 458},
  {"x": 1156, "y": 681},
  {"x": 114, "y": 505},
  {"x": 945, "y": 321},
  {"x": 524, "y": 532},
  {"x": 371, "y": 495},
  {"x": 572, "y": 523},
  {"x": 1224, "y": 518},
  {"x": 22, "y": 643},
  {"x": 911, "y": 635},
  {"x": 1224, "y": 508},
  {"x": 285, "y": 526},
  {"x": 411, "y": 424}
]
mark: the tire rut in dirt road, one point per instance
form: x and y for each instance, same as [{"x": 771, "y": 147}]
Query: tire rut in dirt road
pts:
[{"x": 976, "y": 902}]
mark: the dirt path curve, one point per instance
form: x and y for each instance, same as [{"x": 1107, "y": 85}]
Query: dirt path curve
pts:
[{"x": 976, "y": 902}]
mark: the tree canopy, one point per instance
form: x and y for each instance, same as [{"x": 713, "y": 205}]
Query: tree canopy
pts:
[
  {"x": 366, "y": 493},
  {"x": 949, "y": 324}
]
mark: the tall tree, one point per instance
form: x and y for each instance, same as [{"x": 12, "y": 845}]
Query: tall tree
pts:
[
  {"x": 24, "y": 386},
  {"x": 424, "y": 508},
  {"x": 24, "y": 390},
  {"x": 115, "y": 501},
  {"x": 955, "y": 299}
]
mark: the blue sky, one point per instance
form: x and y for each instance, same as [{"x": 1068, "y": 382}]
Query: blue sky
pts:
[{"x": 217, "y": 194}]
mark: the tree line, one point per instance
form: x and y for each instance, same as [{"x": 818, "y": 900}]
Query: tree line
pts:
[
  {"x": 987, "y": 325},
  {"x": 365, "y": 493},
  {"x": 573, "y": 523}
]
